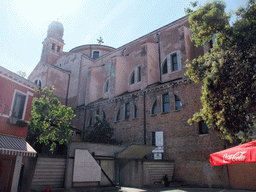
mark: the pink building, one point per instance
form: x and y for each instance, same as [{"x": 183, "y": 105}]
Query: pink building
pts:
[{"x": 16, "y": 95}]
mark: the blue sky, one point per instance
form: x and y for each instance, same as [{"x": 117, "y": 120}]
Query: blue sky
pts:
[{"x": 24, "y": 23}]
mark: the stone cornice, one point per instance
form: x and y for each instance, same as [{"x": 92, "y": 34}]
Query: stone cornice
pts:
[
  {"x": 17, "y": 79},
  {"x": 157, "y": 88}
]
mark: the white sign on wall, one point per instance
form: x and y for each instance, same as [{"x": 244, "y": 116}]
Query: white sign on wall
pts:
[
  {"x": 86, "y": 169},
  {"x": 159, "y": 141},
  {"x": 157, "y": 155},
  {"x": 159, "y": 138}
]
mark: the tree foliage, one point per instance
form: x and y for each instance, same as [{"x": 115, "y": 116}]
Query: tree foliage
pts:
[
  {"x": 101, "y": 132},
  {"x": 50, "y": 120},
  {"x": 227, "y": 70}
]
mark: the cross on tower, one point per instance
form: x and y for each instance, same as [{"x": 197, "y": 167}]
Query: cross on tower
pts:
[{"x": 100, "y": 41}]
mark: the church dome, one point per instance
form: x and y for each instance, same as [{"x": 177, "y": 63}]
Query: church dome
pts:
[
  {"x": 55, "y": 30},
  {"x": 56, "y": 25}
]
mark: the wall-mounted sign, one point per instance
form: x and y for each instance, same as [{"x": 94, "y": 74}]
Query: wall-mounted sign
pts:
[{"x": 157, "y": 156}]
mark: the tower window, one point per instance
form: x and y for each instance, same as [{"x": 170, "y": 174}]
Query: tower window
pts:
[
  {"x": 58, "y": 49},
  {"x": 127, "y": 111},
  {"x": 154, "y": 108},
  {"x": 165, "y": 67},
  {"x": 96, "y": 54},
  {"x": 165, "y": 99},
  {"x": 178, "y": 104},
  {"x": 53, "y": 46}
]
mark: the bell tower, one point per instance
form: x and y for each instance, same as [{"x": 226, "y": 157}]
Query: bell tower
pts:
[{"x": 53, "y": 43}]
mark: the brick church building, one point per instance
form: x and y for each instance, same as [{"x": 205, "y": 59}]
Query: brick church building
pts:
[{"x": 141, "y": 90}]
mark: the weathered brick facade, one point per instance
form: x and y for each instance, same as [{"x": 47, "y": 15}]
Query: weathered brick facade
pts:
[{"x": 135, "y": 73}]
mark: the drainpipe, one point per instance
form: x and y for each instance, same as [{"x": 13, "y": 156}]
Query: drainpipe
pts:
[
  {"x": 159, "y": 53},
  {"x": 67, "y": 89},
  {"x": 144, "y": 122},
  {"x": 83, "y": 131}
]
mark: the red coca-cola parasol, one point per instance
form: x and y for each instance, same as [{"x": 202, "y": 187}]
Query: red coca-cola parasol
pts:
[{"x": 245, "y": 153}]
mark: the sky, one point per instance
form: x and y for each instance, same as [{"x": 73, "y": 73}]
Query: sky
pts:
[{"x": 24, "y": 24}]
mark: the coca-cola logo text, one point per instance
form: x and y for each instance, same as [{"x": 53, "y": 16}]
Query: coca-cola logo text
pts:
[{"x": 239, "y": 156}]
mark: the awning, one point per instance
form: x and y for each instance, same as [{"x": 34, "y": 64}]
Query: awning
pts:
[
  {"x": 10, "y": 145},
  {"x": 245, "y": 153},
  {"x": 135, "y": 151}
]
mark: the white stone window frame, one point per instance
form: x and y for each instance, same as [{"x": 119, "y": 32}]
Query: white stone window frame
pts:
[
  {"x": 105, "y": 84},
  {"x": 169, "y": 62},
  {"x": 25, "y": 104},
  {"x": 96, "y": 50},
  {"x": 136, "y": 75}
]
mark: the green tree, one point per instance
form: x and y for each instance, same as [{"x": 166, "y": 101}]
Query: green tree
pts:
[
  {"x": 227, "y": 70},
  {"x": 101, "y": 132},
  {"x": 49, "y": 120}
]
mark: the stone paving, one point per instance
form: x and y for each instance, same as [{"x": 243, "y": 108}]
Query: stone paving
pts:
[{"x": 182, "y": 189}]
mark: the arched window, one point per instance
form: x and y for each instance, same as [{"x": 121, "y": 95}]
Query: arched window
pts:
[
  {"x": 58, "y": 49},
  {"x": 132, "y": 80},
  {"x": 171, "y": 63},
  {"x": 139, "y": 74},
  {"x": 53, "y": 46},
  {"x": 165, "y": 67},
  {"x": 106, "y": 86},
  {"x": 118, "y": 116},
  {"x": 136, "y": 112},
  {"x": 154, "y": 108},
  {"x": 135, "y": 75},
  {"x": 178, "y": 104},
  {"x": 38, "y": 82}
]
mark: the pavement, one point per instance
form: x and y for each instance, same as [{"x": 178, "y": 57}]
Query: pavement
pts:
[
  {"x": 129, "y": 189},
  {"x": 181, "y": 189}
]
